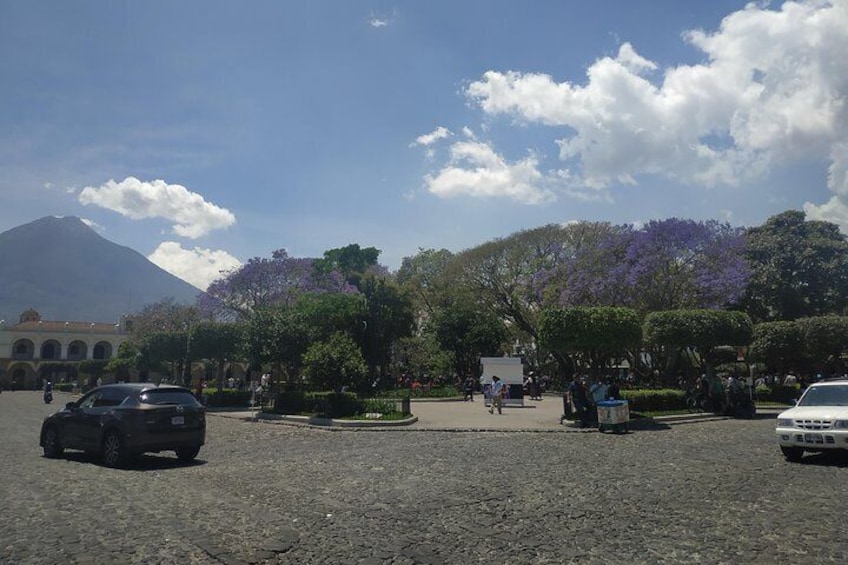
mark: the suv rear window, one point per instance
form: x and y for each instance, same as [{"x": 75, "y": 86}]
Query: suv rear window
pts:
[{"x": 168, "y": 396}]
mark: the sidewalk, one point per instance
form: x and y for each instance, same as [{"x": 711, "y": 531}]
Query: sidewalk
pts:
[{"x": 456, "y": 415}]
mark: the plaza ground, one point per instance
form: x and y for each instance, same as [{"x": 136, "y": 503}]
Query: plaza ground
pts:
[{"x": 709, "y": 492}]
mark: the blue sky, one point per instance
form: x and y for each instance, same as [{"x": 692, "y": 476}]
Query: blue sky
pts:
[{"x": 204, "y": 133}]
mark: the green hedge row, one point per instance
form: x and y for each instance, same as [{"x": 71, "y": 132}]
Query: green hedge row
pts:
[
  {"x": 226, "y": 397},
  {"x": 780, "y": 394},
  {"x": 322, "y": 404},
  {"x": 654, "y": 400}
]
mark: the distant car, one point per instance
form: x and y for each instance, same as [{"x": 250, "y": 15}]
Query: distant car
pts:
[
  {"x": 818, "y": 422},
  {"x": 121, "y": 421}
]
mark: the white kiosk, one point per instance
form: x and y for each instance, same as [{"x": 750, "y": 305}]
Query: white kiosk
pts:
[{"x": 510, "y": 371}]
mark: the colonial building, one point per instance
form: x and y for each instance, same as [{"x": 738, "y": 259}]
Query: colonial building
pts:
[{"x": 28, "y": 346}]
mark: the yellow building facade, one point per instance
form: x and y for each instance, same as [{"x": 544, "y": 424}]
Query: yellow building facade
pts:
[{"x": 28, "y": 345}]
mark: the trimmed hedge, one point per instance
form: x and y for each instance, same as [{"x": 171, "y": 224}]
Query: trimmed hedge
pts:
[
  {"x": 655, "y": 400},
  {"x": 322, "y": 404},
  {"x": 226, "y": 397},
  {"x": 780, "y": 394}
]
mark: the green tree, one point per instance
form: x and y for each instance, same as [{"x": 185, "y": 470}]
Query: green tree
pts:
[
  {"x": 218, "y": 342},
  {"x": 162, "y": 316},
  {"x": 825, "y": 340},
  {"x": 124, "y": 362},
  {"x": 778, "y": 344},
  {"x": 94, "y": 368},
  {"x": 277, "y": 335},
  {"x": 596, "y": 337},
  {"x": 799, "y": 268},
  {"x": 420, "y": 355},
  {"x": 350, "y": 261},
  {"x": 697, "y": 332},
  {"x": 326, "y": 314},
  {"x": 166, "y": 351},
  {"x": 387, "y": 317},
  {"x": 468, "y": 334},
  {"x": 424, "y": 277},
  {"x": 336, "y": 363}
]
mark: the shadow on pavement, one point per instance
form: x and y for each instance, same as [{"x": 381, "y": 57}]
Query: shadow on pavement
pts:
[
  {"x": 146, "y": 462},
  {"x": 833, "y": 458}
]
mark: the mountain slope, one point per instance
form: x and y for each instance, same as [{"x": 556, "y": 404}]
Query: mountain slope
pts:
[{"x": 66, "y": 271}]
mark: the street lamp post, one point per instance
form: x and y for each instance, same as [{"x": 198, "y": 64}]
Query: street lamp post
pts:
[{"x": 187, "y": 368}]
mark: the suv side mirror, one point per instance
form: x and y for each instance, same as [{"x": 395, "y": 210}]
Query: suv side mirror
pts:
[{"x": 70, "y": 405}]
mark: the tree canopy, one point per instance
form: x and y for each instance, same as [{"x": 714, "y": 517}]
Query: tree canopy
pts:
[{"x": 799, "y": 268}]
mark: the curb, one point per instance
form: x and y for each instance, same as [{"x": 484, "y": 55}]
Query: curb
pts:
[{"x": 330, "y": 423}]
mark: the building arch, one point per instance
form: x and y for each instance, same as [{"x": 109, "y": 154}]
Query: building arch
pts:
[
  {"x": 102, "y": 350},
  {"x": 51, "y": 350},
  {"x": 77, "y": 350},
  {"x": 21, "y": 376},
  {"x": 23, "y": 349}
]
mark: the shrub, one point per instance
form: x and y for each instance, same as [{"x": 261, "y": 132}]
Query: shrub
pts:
[
  {"x": 226, "y": 397},
  {"x": 335, "y": 404},
  {"x": 321, "y": 404},
  {"x": 780, "y": 394},
  {"x": 654, "y": 400},
  {"x": 290, "y": 402},
  {"x": 63, "y": 387},
  {"x": 379, "y": 405}
]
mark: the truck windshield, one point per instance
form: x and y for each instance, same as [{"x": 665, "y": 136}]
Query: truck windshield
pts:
[{"x": 836, "y": 395}]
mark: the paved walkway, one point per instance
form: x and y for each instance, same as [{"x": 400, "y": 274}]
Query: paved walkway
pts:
[{"x": 456, "y": 415}]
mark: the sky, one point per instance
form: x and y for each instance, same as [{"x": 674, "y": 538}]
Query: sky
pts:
[{"x": 203, "y": 133}]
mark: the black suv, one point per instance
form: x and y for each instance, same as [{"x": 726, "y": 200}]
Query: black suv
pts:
[{"x": 121, "y": 421}]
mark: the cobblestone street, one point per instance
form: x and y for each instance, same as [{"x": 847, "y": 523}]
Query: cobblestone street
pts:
[{"x": 710, "y": 492}]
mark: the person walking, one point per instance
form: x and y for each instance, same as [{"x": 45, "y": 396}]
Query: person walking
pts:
[{"x": 497, "y": 395}]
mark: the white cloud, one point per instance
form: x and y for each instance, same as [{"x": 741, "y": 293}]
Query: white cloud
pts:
[
  {"x": 475, "y": 169},
  {"x": 197, "y": 266},
  {"x": 432, "y": 137},
  {"x": 193, "y": 216},
  {"x": 773, "y": 88},
  {"x": 381, "y": 20}
]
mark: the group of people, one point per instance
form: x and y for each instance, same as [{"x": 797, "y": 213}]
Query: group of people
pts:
[
  {"x": 532, "y": 387},
  {"x": 585, "y": 393}
]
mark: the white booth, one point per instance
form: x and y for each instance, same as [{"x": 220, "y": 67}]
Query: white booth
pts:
[{"x": 510, "y": 371}]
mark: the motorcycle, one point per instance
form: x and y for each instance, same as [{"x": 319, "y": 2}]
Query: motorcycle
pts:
[{"x": 48, "y": 397}]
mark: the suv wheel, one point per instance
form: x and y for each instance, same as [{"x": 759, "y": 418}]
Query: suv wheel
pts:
[
  {"x": 112, "y": 451},
  {"x": 187, "y": 453},
  {"x": 793, "y": 454},
  {"x": 52, "y": 446}
]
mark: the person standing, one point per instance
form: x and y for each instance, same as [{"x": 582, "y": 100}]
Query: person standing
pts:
[
  {"x": 580, "y": 401},
  {"x": 497, "y": 395},
  {"x": 468, "y": 389}
]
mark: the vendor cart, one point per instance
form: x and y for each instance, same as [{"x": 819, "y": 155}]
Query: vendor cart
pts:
[{"x": 613, "y": 415}]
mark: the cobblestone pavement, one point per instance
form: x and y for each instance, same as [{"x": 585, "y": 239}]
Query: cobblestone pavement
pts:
[{"x": 713, "y": 492}]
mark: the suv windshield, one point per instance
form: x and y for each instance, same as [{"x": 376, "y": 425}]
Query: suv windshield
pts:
[
  {"x": 825, "y": 396},
  {"x": 168, "y": 396}
]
